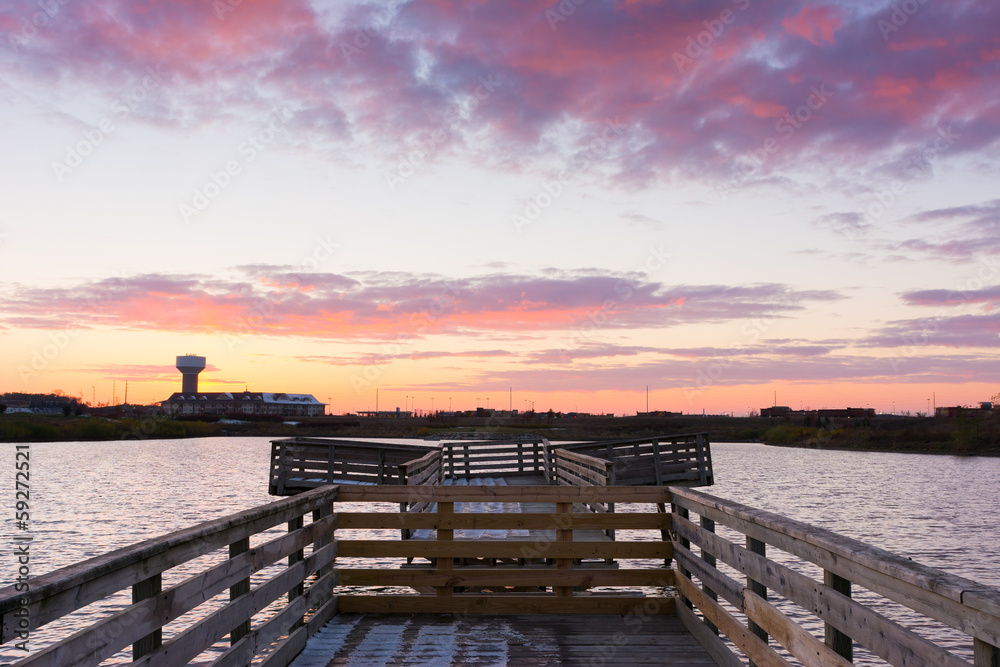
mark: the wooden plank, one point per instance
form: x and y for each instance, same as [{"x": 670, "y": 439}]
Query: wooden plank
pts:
[
  {"x": 446, "y": 535},
  {"x": 710, "y": 576},
  {"x": 504, "y": 604},
  {"x": 986, "y": 655},
  {"x": 758, "y": 589},
  {"x": 288, "y": 649},
  {"x": 501, "y": 576},
  {"x": 502, "y": 549},
  {"x": 807, "y": 648},
  {"x": 570, "y": 470},
  {"x": 503, "y": 520},
  {"x": 927, "y": 590},
  {"x": 216, "y": 625},
  {"x": 840, "y": 642},
  {"x": 711, "y": 642},
  {"x": 62, "y": 591},
  {"x": 144, "y": 590},
  {"x": 752, "y": 647},
  {"x": 551, "y": 494},
  {"x": 657, "y": 463},
  {"x": 883, "y": 637},
  {"x": 702, "y": 468},
  {"x": 107, "y": 636},
  {"x": 282, "y": 623}
]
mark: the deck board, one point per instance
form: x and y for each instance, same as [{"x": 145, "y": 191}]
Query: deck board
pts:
[{"x": 351, "y": 640}]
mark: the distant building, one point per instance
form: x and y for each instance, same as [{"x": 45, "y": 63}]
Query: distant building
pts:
[
  {"x": 386, "y": 414},
  {"x": 243, "y": 403},
  {"x": 189, "y": 401},
  {"x": 984, "y": 409},
  {"x": 776, "y": 411}
]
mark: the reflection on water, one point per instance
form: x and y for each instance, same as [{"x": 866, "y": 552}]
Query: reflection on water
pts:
[{"x": 90, "y": 498}]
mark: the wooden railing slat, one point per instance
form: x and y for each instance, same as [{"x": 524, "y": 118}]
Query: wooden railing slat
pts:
[
  {"x": 926, "y": 590},
  {"x": 880, "y": 635},
  {"x": 749, "y": 643}
]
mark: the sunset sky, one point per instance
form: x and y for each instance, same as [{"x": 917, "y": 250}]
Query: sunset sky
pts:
[{"x": 723, "y": 201}]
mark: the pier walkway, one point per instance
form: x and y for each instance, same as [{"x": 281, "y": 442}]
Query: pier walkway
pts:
[{"x": 413, "y": 573}]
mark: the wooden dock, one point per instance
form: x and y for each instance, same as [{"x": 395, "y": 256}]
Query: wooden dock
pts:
[
  {"x": 301, "y": 464},
  {"x": 520, "y": 574}
]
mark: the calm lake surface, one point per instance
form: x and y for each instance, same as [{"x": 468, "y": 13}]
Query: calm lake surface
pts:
[{"x": 90, "y": 498}]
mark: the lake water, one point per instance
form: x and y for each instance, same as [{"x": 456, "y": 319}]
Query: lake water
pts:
[{"x": 90, "y": 498}]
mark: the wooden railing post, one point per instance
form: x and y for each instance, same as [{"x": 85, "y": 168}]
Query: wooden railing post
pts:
[
  {"x": 242, "y": 587},
  {"x": 686, "y": 543},
  {"x": 709, "y": 526},
  {"x": 520, "y": 457},
  {"x": 468, "y": 469},
  {"x": 702, "y": 463},
  {"x": 293, "y": 558},
  {"x": 657, "y": 466},
  {"x": 282, "y": 470},
  {"x": 330, "y": 458},
  {"x": 835, "y": 639},
  {"x": 324, "y": 540},
  {"x": 985, "y": 654},
  {"x": 759, "y": 548},
  {"x": 563, "y": 535},
  {"x": 142, "y": 590},
  {"x": 445, "y": 563}
]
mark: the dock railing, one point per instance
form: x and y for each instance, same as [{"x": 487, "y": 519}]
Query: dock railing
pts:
[
  {"x": 300, "y": 464},
  {"x": 265, "y": 600},
  {"x": 847, "y": 566},
  {"x": 494, "y": 458},
  {"x": 307, "y": 580},
  {"x": 514, "y": 562},
  {"x": 678, "y": 460},
  {"x": 574, "y": 469}
]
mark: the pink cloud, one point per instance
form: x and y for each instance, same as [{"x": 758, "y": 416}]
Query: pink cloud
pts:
[
  {"x": 606, "y": 61},
  {"x": 273, "y": 301},
  {"x": 817, "y": 23}
]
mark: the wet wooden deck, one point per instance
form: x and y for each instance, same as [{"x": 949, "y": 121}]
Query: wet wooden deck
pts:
[{"x": 434, "y": 639}]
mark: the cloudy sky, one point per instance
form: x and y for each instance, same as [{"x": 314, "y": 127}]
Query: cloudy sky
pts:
[{"x": 557, "y": 202}]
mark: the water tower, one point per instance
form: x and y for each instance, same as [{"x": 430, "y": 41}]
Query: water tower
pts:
[{"x": 189, "y": 365}]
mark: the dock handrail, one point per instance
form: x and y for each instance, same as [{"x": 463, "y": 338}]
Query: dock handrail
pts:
[
  {"x": 963, "y": 604},
  {"x": 300, "y": 464},
  {"x": 683, "y": 459},
  {"x": 141, "y": 566},
  {"x": 491, "y": 458},
  {"x": 575, "y": 469},
  {"x": 550, "y": 564}
]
